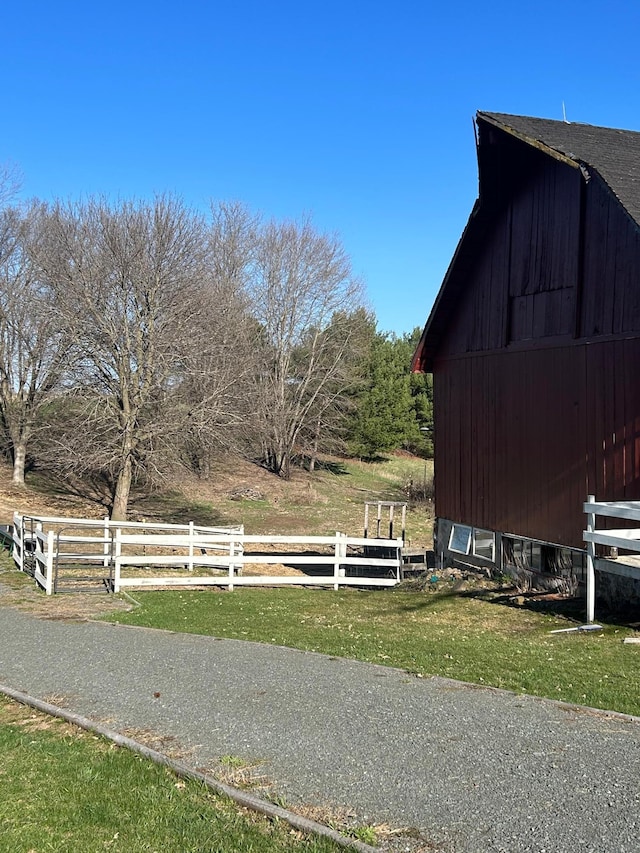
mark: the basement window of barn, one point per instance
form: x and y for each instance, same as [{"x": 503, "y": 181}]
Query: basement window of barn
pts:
[
  {"x": 460, "y": 539},
  {"x": 484, "y": 544}
]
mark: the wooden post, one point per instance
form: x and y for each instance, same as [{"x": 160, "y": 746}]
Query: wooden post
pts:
[
  {"x": 378, "y": 520},
  {"x": 404, "y": 521},
  {"x": 591, "y": 573},
  {"x": 366, "y": 520},
  {"x": 391, "y": 522}
]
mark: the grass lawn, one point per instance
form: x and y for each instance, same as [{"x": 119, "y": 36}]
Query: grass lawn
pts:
[
  {"x": 458, "y": 635},
  {"x": 63, "y": 789}
]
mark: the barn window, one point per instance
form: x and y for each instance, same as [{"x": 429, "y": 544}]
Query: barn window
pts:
[
  {"x": 535, "y": 556},
  {"x": 460, "y": 539},
  {"x": 484, "y": 544}
]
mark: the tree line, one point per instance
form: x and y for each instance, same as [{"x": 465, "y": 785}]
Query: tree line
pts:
[{"x": 137, "y": 337}]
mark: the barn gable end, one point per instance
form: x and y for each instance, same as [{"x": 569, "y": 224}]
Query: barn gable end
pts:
[{"x": 534, "y": 338}]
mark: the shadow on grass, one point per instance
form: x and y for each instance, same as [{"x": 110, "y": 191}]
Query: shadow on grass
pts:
[
  {"x": 173, "y": 507},
  {"x": 571, "y": 608},
  {"x": 337, "y": 468},
  {"x": 575, "y": 609},
  {"x": 430, "y": 594},
  {"x": 95, "y": 489},
  {"x": 551, "y": 604}
]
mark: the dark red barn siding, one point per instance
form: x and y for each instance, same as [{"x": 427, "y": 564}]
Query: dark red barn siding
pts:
[
  {"x": 523, "y": 437},
  {"x": 534, "y": 343},
  {"x": 611, "y": 295},
  {"x": 503, "y": 462},
  {"x": 524, "y": 277},
  {"x": 613, "y": 399}
]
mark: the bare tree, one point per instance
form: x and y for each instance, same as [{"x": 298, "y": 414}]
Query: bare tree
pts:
[
  {"x": 10, "y": 182},
  {"x": 326, "y": 426},
  {"x": 35, "y": 350},
  {"x": 302, "y": 292},
  {"x": 215, "y": 371},
  {"x": 127, "y": 280}
]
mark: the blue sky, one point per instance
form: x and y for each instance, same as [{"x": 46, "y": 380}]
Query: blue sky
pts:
[{"x": 357, "y": 113}]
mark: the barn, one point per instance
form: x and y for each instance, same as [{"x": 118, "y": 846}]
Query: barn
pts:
[{"x": 534, "y": 343}]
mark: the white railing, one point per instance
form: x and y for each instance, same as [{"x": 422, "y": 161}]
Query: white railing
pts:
[
  {"x": 234, "y": 562},
  {"x": 35, "y": 549},
  {"x": 43, "y": 544},
  {"x": 160, "y": 551},
  {"x": 625, "y": 538}
]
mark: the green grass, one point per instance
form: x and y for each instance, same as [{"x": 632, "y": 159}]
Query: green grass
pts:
[
  {"x": 65, "y": 790},
  {"x": 460, "y": 636},
  {"x": 342, "y": 491}
]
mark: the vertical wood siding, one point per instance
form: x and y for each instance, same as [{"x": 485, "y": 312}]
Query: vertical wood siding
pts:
[
  {"x": 524, "y": 279},
  {"x": 522, "y": 438},
  {"x": 510, "y": 455},
  {"x": 536, "y": 381},
  {"x": 611, "y": 297}
]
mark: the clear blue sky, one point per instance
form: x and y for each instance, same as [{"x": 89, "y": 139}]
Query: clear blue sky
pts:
[{"x": 357, "y": 113}]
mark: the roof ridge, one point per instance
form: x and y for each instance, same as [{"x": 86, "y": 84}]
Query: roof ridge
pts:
[
  {"x": 555, "y": 121},
  {"x": 612, "y": 153}
]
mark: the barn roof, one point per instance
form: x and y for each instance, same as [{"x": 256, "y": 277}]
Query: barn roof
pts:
[{"x": 614, "y": 154}]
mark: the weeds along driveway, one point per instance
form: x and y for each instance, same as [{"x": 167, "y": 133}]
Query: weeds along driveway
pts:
[{"x": 475, "y": 768}]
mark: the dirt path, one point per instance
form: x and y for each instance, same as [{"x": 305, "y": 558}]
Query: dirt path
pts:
[{"x": 20, "y": 592}]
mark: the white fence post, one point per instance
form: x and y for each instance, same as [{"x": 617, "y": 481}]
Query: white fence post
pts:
[
  {"x": 240, "y": 548},
  {"x": 106, "y": 550},
  {"x": 18, "y": 541},
  {"x": 336, "y": 563},
  {"x": 117, "y": 560},
  {"x": 191, "y": 535},
  {"x": 342, "y": 571},
  {"x": 231, "y": 566},
  {"x": 400, "y": 542},
  {"x": 591, "y": 555},
  {"x": 49, "y": 562},
  {"x": 232, "y": 553}
]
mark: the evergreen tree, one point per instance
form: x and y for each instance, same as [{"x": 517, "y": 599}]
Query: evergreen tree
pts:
[
  {"x": 394, "y": 407},
  {"x": 384, "y": 417},
  {"x": 421, "y": 388}
]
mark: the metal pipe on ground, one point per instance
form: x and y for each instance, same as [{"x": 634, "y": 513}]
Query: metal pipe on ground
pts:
[{"x": 243, "y": 798}]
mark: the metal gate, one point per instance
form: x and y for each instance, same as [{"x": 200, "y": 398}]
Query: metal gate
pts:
[{"x": 76, "y": 567}]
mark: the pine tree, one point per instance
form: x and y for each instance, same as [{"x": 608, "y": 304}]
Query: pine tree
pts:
[
  {"x": 394, "y": 407},
  {"x": 384, "y": 417}
]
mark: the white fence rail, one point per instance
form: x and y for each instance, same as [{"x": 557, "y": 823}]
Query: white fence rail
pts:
[
  {"x": 139, "y": 555},
  {"x": 45, "y": 546},
  {"x": 627, "y": 539}
]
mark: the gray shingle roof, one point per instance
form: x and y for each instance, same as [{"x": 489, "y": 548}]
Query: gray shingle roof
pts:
[{"x": 614, "y": 154}]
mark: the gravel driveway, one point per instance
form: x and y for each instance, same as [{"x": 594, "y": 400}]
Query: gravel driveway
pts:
[{"x": 474, "y": 769}]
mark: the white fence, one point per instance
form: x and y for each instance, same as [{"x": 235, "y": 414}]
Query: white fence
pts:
[
  {"x": 627, "y": 539},
  {"x": 49, "y": 546},
  {"x": 164, "y": 555}
]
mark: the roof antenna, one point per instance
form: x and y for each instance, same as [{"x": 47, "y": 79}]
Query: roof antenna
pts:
[{"x": 564, "y": 115}]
